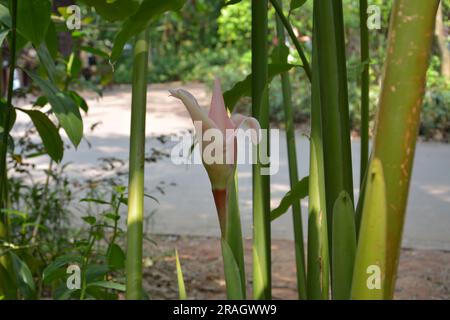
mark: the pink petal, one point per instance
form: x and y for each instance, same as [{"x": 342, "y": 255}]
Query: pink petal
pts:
[
  {"x": 196, "y": 112},
  {"x": 218, "y": 112}
]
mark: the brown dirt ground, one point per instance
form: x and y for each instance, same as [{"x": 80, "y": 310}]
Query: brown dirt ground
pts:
[{"x": 423, "y": 274}]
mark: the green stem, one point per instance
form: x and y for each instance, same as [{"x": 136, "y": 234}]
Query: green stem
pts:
[
  {"x": 4, "y": 260},
  {"x": 261, "y": 183},
  {"x": 86, "y": 257},
  {"x": 318, "y": 253},
  {"x": 410, "y": 37},
  {"x": 43, "y": 202},
  {"x": 335, "y": 117},
  {"x": 233, "y": 234},
  {"x": 365, "y": 80},
  {"x": 343, "y": 98},
  {"x": 231, "y": 240},
  {"x": 136, "y": 174},
  {"x": 6, "y": 124},
  {"x": 278, "y": 8},
  {"x": 293, "y": 174},
  {"x": 116, "y": 221}
]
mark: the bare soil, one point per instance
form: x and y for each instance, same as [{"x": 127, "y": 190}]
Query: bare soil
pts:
[{"x": 423, "y": 274}]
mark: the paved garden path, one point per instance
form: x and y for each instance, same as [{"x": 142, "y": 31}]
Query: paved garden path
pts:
[{"x": 186, "y": 207}]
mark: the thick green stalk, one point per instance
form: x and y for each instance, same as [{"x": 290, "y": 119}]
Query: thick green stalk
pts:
[
  {"x": 410, "y": 37},
  {"x": 7, "y": 120},
  {"x": 368, "y": 281},
  {"x": 279, "y": 9},
  {"x": 136, "y": 167},
  {"x": 318, "y": 255},
  {"x": 343, "y": 97},
  {"x": 344, "y": 246},
  {"x": 231, "y": 241},
  {"x": 4, "y": 259},
  {"x": 365, "y": 80},
  {"x": 233, "y": 234},
  {"x": 335, "y": 127},
  {"x": 293, "y": 174},
  {"x": 261, "y": 183}
]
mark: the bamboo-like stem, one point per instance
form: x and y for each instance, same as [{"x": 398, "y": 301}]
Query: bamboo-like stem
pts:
[
  {"x": 261, "y": 183},
  {"x": 279, "y": 10},
  {"x": 6, "y": 124},
  {"x": 4, "y": 259},
  {"x": 343, "y": 98},
  {"x": 233, "y": 234},
  {"x": 136, "y": 169},
  {"x": 318, "y": 253},
  {"x": 410, "y": 37},
  {"x": 232, "y": 245},
  {"x": 365, "y": 80},
  {"x": 293, "y": 173},
  {"x": 335, "y": 117}
]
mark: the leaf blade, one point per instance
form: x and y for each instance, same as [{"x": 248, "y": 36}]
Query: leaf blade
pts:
[
  {"x": 298, "y": 192},
  {"x": 48, "y": 132},
  {"x": 63, "y": 107}
]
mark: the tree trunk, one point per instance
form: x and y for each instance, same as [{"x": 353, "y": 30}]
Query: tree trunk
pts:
[
  {"x": 441, "y": 36},
  {"x": 409, "y": 44}
]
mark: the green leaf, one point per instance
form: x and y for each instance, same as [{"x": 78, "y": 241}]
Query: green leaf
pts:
[
  {"x": 371, "y": 256},
  {"x": 5, "y": 16},
  {"x": 79, "y": 100},
  {"x": 108, "y": 285},
  {"x": 112, "y": 216},
  {"x": 54, "y": 270},
  {"x": 48, "y": 132},
  {"x": 7, "y": 284},
  {"x": 298, "y": 192},
  {"x": 33, "y": 19},
  {"x": 12, "y": 119},
  {"x": 148, "y": 10},
  {"x": 244, "y": 88},
  {"x": 114, "y": 10},
  {"x": 280, "y": 54},
  {"x": 24, "y": 277},
  {"x": 47, "y": 61},
  {"x": 96, "y": 272},
  {"x": 180, "y": 278},
  {"x": 232, "y": 274},
  {"x": 116, "y": 256},
  {"x": 63, "y": 107},
  {"x": 51, "y": 40},
  {"x": 89, "y": 219},
  {"x": 343, "y": 246},
  {"x": 41, "y": 101},
  {"x": 3, "y": 35},
  {"x": 296, "y": 4}
]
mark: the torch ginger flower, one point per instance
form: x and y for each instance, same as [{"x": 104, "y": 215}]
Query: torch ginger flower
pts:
[{"x": 220, "y": 173}]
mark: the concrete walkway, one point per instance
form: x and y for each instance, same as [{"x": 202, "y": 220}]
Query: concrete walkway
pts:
[{"x": 186, "y": 207}]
